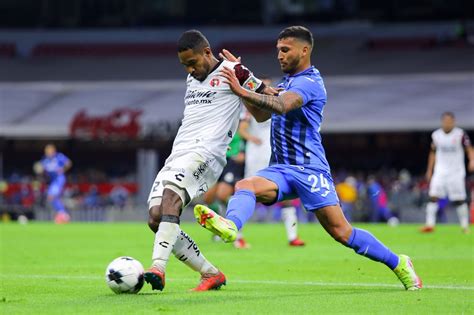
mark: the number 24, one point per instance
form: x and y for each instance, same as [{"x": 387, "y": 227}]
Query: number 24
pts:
[{"x": 322, "y": 181}]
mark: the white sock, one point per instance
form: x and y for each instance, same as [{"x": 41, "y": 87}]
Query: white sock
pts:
[
  {"x": 165, "y": 239},
  {"x": 187, "y": 251},
  {"x": 463, "y": 215},
  {"x": 431, "y": 210},
  {"x": 288, "y": 215}
]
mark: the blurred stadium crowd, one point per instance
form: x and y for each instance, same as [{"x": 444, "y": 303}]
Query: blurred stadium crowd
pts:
[{"x": 385, "y": 196}]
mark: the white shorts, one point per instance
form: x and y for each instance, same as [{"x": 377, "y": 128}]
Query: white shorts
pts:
[
  {"x": 452, "y": 186},
  {"x": 191, "y": 172}
]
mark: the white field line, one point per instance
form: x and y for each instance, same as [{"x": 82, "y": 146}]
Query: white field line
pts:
[{"x": 267, "y": 282}]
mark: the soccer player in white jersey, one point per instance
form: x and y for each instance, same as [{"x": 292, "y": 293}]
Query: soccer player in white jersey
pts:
[
  {"x": 446, "y": 171},
  {"x": 198, "y": 156},
  {"x": 257, "y": 157}
]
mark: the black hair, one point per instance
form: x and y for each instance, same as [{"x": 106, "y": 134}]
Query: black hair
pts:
[
  {"x": 299, "y": 32},
  {"x": 192, "y": 39},
  {"x": 450, "y": 114}
]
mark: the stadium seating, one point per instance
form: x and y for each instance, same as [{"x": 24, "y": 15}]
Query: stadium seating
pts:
[
  {"x": 7, "y": 50},
  {"x": 103, "y": 49}
]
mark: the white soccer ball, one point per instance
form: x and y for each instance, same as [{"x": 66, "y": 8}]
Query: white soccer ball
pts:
[{"x": 124, "y": 275}]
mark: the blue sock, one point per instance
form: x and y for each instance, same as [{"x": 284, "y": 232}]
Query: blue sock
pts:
[
  {"x": 241, "y": 207},
  {"x": 58, "y": 205},
  {"x": 365, "y": 244}
]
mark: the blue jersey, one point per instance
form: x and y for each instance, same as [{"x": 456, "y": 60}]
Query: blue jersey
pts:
[
  {"x": 295, "y": 136},
  {"x": 53, "y": 166},
  {"x": 298, "y": 164}
]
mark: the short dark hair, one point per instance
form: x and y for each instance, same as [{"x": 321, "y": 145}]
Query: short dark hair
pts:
[
  {"x": 450, "y": 114},
  {"x": 299, "y": 32},
  {"x": 192, "y": 39}
]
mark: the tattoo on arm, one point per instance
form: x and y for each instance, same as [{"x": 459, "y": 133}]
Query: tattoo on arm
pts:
[{"x": 275, "y": 104}]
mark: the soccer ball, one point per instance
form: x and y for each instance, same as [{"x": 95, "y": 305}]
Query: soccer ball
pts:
[{"x": 124, "y": 275}]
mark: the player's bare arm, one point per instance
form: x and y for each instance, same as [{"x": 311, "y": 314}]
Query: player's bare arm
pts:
[
  {"x": 67, "y": 166},
  {"x": 431, "y": 162},
  {"x": 281, "y": 104},
  {"x": 470, "y": 157},
  {"x": 469, "y": 151},
  {"x": 244, "y": 133}
]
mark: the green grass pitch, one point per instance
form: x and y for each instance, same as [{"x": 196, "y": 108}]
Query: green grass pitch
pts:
[{"x": 49, "y": 269}]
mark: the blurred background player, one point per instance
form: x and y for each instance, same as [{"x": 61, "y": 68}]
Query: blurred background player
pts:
[
  {"x": 257, "y": 156},
  {"x": 218, "y": 196},
  {"x": 54, "y": 166},
  {"x": 446, "y": 171},
  {"x": 379, "y": 203},
  {"x": 347, "y": 193}
]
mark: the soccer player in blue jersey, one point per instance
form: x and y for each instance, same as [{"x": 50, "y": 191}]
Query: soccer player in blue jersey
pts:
[
  {"x": 55, "y": 165},
  {"x": 298, "y": 165}
]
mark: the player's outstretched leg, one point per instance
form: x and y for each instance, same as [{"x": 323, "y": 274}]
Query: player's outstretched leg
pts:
[
  {"x": 239, "y": 209},
  {"x": 188, "y": 252},
  {"x": 220, "y": 226},
  {"x": 165, "y": 219},
  {"x": 365, "y": 244}
]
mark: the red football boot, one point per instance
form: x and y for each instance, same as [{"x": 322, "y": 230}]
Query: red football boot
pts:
[
  {"x": 427, "y": 229},
  {"x": 241, "y": 243},
  {"x": 62, "y": 218},
  {"x": 155, "y": 277},
  {"x": 211, "y": 282},
  {"x": 296, "y": 242}
]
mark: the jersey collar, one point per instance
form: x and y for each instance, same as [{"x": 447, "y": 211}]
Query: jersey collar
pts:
[
  {"x": 215, "y": 67},
  {"x": 311, "y": 69}
]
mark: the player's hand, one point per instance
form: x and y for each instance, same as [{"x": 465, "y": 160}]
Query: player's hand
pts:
[
  {"x": 268, "y": 90},
  {"x": 255, "y": 140},
  {"x": 227, "y": 55},
  {"x": 231, "y": 79},
  {"x": 38, "y": 168},
  {"x": 428, "y": 176},
  {"x": 240, "y": 158}
]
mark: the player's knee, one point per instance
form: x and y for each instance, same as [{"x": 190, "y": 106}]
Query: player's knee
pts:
[
  {"x": 246, "y": 184},
  {"x": 341, "y": 234},
  {"x": 154, "y": 218},
  {"x": 171, "y": 204}
]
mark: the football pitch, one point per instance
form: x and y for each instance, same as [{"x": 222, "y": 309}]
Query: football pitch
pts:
[{"x": 49, "y": 269}]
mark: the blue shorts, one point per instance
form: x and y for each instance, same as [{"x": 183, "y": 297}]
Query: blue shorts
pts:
[
  {"x": 56, "y": 187},
  {"x": 312, "y": 185}
]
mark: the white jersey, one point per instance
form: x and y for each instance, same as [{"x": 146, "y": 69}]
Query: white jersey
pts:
[
  {"x": 450, "y": 151},
  {"x": 210, "y": 122},
  {"x": 211, "y": 116},
  {"x": 257, "y": 156}
]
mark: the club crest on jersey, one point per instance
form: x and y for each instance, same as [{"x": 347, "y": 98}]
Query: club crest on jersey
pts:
[
  {"x": 215, "y": 82},
  {"x": 251, "y": 84}
]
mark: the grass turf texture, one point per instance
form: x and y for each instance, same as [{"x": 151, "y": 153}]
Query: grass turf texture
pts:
[{"x": 50, "y": 269}]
